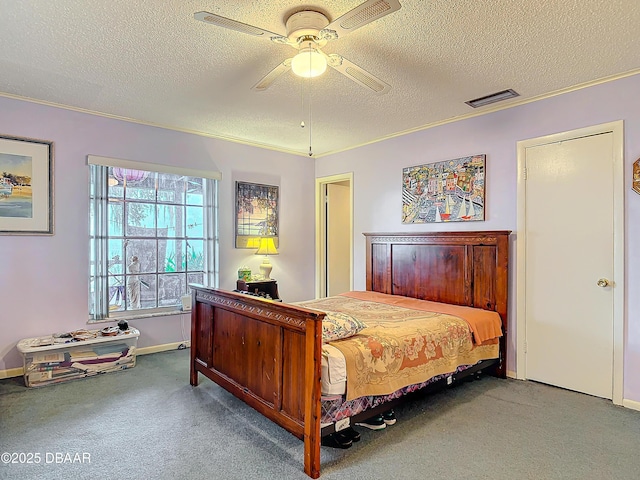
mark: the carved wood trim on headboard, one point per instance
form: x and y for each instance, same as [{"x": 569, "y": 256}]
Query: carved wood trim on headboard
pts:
[{"x": 462, "y": 268}]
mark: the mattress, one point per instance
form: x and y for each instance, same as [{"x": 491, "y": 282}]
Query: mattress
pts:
[{"x": 456, "y": 341}]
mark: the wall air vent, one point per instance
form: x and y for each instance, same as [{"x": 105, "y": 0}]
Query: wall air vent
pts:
[{"x": 493, "y": 98}]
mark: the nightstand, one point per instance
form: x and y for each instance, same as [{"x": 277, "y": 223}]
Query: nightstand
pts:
[{"x": 260, "y": 287}]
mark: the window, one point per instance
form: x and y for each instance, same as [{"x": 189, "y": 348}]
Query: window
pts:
[{"x": 152, "y": 234}]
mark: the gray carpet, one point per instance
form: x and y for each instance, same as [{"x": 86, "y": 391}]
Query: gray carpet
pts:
[{"x": 149, "y": 423}]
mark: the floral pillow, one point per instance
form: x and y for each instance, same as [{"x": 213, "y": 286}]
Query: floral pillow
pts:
[{"x": 337, "y": 325}]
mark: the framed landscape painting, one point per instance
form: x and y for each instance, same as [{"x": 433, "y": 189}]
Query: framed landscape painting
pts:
[
  {"x": 450, "y": 191},
  {"x": 256, "y": 213},
  {"x": 26, "y": 186}
]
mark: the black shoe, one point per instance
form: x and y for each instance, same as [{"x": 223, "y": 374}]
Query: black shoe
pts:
[
  {"x": 373, "y": 423},
  {"x": 389, "y": 417},
  {"x": 336, "y": 441},
  {"x": 349, "y": 434}
]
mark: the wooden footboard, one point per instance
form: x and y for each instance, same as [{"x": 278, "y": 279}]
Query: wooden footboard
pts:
[{"x": 266, "y": 354}]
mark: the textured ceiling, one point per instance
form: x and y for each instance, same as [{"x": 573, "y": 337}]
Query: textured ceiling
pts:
[{"x": 151, "y": 61}]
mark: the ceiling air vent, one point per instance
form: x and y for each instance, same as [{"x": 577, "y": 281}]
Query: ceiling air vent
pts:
[{"x": 493, "y": 98}]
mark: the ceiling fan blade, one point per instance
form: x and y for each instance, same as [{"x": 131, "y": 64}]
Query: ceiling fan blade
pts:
[
  {"x": 266, "y": 81},
  {"x": 225, "y": 22},
  {"x": 358, "y": 74},
  {"x": 363, "y": 14}
]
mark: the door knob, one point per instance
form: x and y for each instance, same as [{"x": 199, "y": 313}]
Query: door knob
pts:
[{"x": 603, "y": 282}]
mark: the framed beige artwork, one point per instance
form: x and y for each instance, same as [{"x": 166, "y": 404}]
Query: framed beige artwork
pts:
[{"x": 26, "y": 186}]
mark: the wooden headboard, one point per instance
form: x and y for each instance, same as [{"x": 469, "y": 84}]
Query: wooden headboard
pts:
[{"x": 474, "y": 264}]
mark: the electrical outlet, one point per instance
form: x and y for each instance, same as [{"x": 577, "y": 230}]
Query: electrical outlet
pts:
[{"x": 186, "y": 303}]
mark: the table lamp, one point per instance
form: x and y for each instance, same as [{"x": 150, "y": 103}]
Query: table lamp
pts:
[{"x": 267, "y": 247}]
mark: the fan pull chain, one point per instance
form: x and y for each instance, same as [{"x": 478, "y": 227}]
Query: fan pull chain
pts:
[
  {"x": 302, "y": 102},
  {"x": 310, "y": 126},
  {"x": 310, "y": 118},
  {"x": 310, "y": 94}
]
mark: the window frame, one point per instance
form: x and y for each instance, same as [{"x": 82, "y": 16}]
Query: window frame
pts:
[{"x": 99, "y": 288}]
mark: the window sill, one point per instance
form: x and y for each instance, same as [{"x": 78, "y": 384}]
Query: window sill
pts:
[{"x": 139, "y": 316}]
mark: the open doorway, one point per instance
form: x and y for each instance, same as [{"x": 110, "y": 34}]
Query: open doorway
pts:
[{"x": 334, "y": 234}]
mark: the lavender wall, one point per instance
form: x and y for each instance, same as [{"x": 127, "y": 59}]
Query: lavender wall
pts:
[
  {"x": 378, "y": 178},
  {"x": 44, "y": 279}
]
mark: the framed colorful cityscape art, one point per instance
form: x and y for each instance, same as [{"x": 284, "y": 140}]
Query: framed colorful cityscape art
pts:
[
  {"x": 451, "y": 191},
  {"x": 256, "y": 214}
]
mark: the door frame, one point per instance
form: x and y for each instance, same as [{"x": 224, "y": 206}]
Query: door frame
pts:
[
  {"x": 321, "y": 230},
  {"x": 617, "y": 129}
]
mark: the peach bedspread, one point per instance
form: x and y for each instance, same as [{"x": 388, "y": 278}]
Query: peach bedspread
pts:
[
  {"x": 408, "y": 341},
  {"x": 484, "y": 324}
]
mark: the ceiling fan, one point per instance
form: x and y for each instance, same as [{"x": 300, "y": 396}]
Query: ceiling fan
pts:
[{"x": 308, "y": 31}]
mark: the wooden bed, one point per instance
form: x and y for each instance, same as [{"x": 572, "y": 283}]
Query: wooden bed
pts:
[{"x": 268, "y": 354}]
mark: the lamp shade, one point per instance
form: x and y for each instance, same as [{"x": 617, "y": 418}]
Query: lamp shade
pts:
[
  {"x": 253, "y": 242},
  {"x": 309, "y": 63},
  {"x": 267, "y": 247}
]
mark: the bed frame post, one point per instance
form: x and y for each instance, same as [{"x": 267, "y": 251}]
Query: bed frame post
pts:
[
  {"x": 501, "y": 292},
  {"x": 312, "y": 438},
  {"x": 193, "y": 373}
]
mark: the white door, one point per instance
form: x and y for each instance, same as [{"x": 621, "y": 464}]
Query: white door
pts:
[{"x": 570, "y": 264}]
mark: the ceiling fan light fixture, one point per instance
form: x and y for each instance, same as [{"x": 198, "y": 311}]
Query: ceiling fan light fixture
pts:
[{"x": 309, "y": 63}]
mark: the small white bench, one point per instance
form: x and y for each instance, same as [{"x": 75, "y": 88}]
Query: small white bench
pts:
[{"x": 54, "y": 359}]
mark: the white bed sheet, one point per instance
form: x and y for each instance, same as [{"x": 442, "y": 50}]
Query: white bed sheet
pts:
[{"x": 334, "y": 371}]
